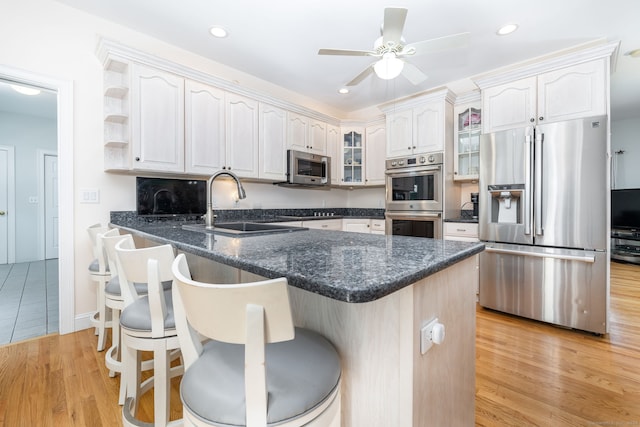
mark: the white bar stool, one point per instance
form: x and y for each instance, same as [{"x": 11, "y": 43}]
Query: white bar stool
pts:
[
  {"x": 257, "y": 370},
  {"x": 100, "y": 273},
  {"x": 147, "y": 324}
]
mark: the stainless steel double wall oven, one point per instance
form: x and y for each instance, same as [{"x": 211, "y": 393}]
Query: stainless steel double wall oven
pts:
[{"x": 414, "y": 196}]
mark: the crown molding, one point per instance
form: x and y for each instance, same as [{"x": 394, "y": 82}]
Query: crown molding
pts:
[
  {"x": 109, "y": 50},
  {"x": 417, "y": 100},
  {"x": 605, "y": 50}
]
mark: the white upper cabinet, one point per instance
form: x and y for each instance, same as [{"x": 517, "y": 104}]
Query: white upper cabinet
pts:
[
  {"x": 334, "y": 151},
  {"x": 204, "y": 128},
  {"x": 400, "y": 133},
  {"x": 508, "y": 106},
  {"x": 428, "y": 128},
  {"x": 353, "y": 156},
  {"x": 317, "y": 137},
  {"x": 574, "y": 92},
  {"x": 374, "y": 144},
  {"x": 420, "y": 129},
  {"x": 273, "y": 142},
  {"x": 306, "y": 134},
  {"x": 568, "y": 93},
  {"x": 157, "y": 120},
  {"x": 297, "y": 131},
  {"x": 241, "y": 135}
]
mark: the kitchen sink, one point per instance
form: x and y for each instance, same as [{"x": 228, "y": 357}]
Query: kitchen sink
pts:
[{"x": 239, "y": 229}]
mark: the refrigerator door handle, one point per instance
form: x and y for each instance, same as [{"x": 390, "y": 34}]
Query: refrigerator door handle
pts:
[
  {"x": 527, "y": 181},
  {"x": 584, "y": 258},
  {"x": 537, "y": 215}
]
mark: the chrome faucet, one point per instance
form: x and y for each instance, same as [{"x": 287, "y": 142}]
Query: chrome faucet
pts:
[{"x": 209, "y": 216}]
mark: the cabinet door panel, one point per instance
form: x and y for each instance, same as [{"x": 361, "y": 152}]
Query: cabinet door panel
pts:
[
  {"x": 242, "y": 135},
  {"x": 399, "y": 134},
  {"x": 204, "y": 128},
  {"x": 334, "y": 151},
  {"x": 508, "y": 106},
  {"x": 428, "y": 128},
  {"x": 318, "y": 137},
  {"x": 297, "y": 132},
  {"x": 157, "y": 120},
  {"x": 374, "y": 159},
  {"x": 572, "y": 93},
  {"x": 273, "y": 142}
]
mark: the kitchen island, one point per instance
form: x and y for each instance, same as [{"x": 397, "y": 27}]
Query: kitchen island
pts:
[{"x": 370, "y": 295}]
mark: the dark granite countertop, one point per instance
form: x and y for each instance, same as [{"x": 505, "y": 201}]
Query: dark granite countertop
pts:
[{"x": 350, "y": 267}]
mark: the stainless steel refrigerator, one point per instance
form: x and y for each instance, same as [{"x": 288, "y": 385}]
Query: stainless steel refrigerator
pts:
[{"x": 544, "y": 218}]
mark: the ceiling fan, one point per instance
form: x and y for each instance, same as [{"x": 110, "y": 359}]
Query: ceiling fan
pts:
[{"x": 391, "y": 49}]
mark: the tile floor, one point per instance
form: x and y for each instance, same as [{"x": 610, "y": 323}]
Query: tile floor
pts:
[{"x": 28, "y": 300}]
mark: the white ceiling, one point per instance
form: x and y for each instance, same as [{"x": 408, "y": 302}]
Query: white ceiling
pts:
[{"x": 278, "y": 40}]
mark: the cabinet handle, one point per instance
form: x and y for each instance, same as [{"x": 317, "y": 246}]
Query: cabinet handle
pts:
[
  {"x": 224, "y": 168},
  {"x": 541, "y": 118},
  {"x": 414, "y": 147},
  {"x": 408, "y": 148},
  {"x": 532, "y": 120},
  {"x": 2, "y": 213},
  {"x": 137, "y": 159}
]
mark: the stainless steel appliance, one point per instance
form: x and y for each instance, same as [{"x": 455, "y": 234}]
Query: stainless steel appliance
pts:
[
  {"x": 414, "y": 193},
  {"x": 544, "y": 215},
  {"x": 308, "y": 169}
]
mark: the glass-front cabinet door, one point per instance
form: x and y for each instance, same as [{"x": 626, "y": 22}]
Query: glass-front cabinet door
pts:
[
  {"x": 352, "y": 156},
  {"x": 467, "y": 145}
]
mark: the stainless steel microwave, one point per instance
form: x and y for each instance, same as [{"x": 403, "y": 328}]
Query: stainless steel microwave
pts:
[{"x": 308, "y": 169}]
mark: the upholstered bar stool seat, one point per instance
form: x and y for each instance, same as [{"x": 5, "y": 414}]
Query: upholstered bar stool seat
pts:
[{"x": 302, "y": 374}]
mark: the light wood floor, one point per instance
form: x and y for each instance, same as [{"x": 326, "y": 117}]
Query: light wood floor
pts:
[{"x": 527, "y": 373}]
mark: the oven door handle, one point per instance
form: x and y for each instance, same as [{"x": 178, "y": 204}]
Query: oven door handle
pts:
[
  {"x": 396, "y": 173},
  {"x": 413, "y": 215}
]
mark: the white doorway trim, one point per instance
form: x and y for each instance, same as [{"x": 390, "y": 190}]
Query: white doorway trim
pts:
[
  {"x": 11, "y": 203},
  {"x": 41, "y": 154},
  {"x": 66, "y": 262}
]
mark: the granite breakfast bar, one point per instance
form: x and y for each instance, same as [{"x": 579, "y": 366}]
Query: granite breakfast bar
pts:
[{"x": 370, "y": 295}]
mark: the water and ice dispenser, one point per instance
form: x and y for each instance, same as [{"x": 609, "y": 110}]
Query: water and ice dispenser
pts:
[{"x": 507, "y": 203}]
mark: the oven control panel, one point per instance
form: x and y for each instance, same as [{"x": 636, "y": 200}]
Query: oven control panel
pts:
[{"x": 414, "y": 161}]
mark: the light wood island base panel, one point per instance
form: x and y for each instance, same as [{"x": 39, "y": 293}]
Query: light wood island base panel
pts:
[{"x": 386, "y": 380}]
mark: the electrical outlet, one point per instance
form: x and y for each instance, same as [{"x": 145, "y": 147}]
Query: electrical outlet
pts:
[{"x": 431, "y": 333}]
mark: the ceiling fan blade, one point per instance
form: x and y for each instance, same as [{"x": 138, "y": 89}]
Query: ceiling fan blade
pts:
[
  {"x": 347, "y": 52},
  {"x": 434, "y": 45},
  {"x": 413, "y": 74},
  {"x": 360, "y": 77},
  {"x": 393, "y": 25}
]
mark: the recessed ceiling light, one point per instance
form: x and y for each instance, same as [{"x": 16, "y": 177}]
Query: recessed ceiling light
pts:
[
  {"x": 635, "y": 53},
  {"x": 507, "y": 29},
  {"x": 218, "y": 32},
  {"x": 343, "y": 91},
  {"x": 25, "y": 90}
]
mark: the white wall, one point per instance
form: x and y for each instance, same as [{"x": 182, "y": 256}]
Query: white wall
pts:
[
  {"x": 45, "y": 37},
  {"x": 625, "y": 136},
  {"x": 27, "y": 134}
]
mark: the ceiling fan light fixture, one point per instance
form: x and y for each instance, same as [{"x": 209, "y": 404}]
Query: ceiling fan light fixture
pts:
[
  {"x": 507, "y": 29},
  {"x": 389, "y": 67}
]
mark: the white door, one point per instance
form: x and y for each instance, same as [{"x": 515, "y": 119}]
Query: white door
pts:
[
  {"x": 51, "y": 206},
  {"x": 7, "y": 208}
]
